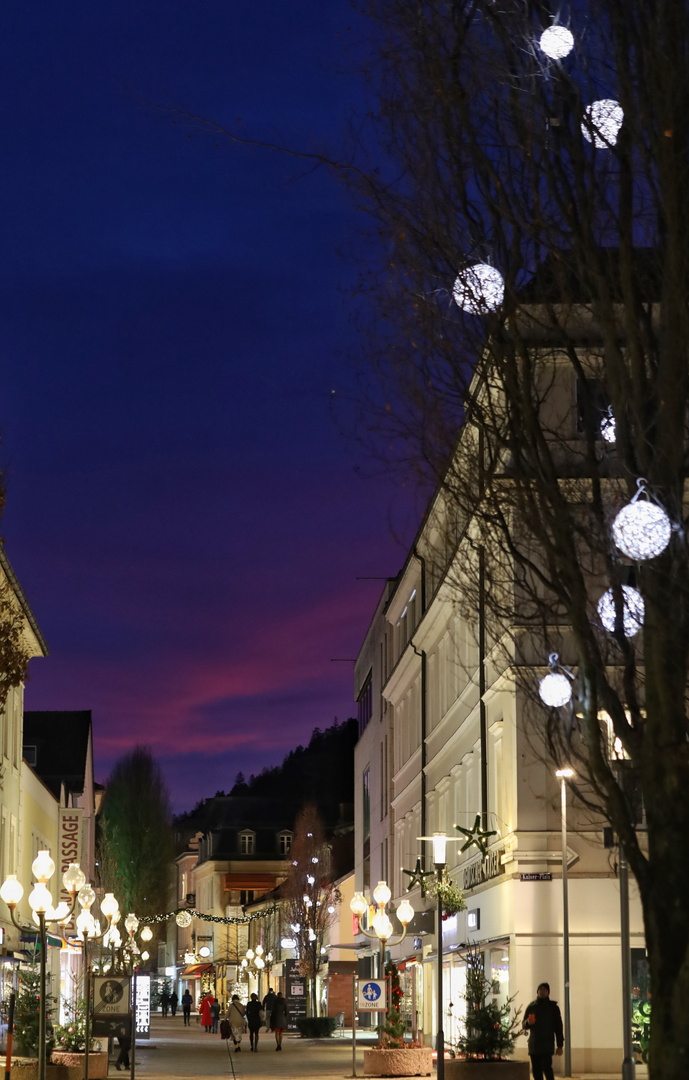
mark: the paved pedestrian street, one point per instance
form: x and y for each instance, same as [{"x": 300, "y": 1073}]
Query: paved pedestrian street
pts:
[{"x": 175, "y": 1051}]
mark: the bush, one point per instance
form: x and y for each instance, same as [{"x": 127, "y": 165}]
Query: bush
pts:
[{"x": 316, "y": 1027}]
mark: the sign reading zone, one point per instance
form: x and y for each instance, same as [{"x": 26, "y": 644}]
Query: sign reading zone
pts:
[{"x": 372, "y": 995}]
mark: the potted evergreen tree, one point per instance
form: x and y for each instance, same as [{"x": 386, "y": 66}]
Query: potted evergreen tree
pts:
[
  {"x": 394, "y": 1056},
  {"x": 490, "y": 1032},
  {"x": 67, "y": 1059}
]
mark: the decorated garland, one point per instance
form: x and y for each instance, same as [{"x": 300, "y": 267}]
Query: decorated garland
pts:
[{"x": 229, "y": 920}]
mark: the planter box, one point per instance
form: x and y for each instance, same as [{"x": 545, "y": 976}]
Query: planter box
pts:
[
  {"x": 66, "y": 1066},
  {"x": 24, "y": 1069},
  {"x": 403, "y": 1061},
  {"x": 486, "y": 1070}
]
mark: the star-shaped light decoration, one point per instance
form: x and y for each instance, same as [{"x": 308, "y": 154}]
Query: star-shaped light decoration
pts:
[
  {"x": 476, "y": 835},
  {"x": 417, "y": 876}
]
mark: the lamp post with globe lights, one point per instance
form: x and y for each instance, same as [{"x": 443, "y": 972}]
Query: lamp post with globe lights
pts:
[
  {"x": 440, "y": 841},
  {"x": 41, "y": 903},
  {"x": 381, "y": 925},
  {"x": 563, "y": 776},
  {"x": 88, "y": 929}
]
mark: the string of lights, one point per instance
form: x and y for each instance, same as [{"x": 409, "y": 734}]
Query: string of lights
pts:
[{"x": 229, "y": 920}]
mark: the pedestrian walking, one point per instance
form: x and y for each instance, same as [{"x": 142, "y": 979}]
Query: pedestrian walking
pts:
[
  {"x": 215, "y": 1015},
  {"x": 164, "y": 1002},
  {"x": 543, "y": 1021},
  {"x": 278, "y": 1019},
  {"x": 187, "y": 1002},
  {"x": 254, "y": 1018},
  {"x": 268, "y": 1002},
  {"x": 173, "y": 1002},
  {"x": 236, "y": 1014},
  {"x": 125, "y": 1044},
  {"x": 205, "y": 1013}
]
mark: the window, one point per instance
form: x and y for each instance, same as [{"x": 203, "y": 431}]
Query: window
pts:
[
  {"x": 591, "y": 394},
  {"x": 246, "y": 843},
  {"x": 365, "y": 703},
  {"x": 366, "y": 786},
  {"x": 285, "y": 843},
  {"x": 183, "y": 886},
  {"x": 246, "y": 896},
  {"x": 30, "y": 754}
]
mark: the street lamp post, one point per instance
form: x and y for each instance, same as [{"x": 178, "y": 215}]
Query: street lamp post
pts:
[
  {"x": 439, "y": 841},
  {"x": 88, "y": 929},
  {"x": 564, "y": 775},
  {"x": 41, "y": 903},
  {"x": 382, "y": 928}
]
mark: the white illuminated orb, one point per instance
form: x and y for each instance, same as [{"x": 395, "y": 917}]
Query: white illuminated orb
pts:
[
  {"x": 557, "y": 42},
  {"x": 479, "y": 289},
  {"x": 555, "y": 689},
  {"x": 608, "y": 427},
  {"x": 642, "y": 529},
  {"x": 633, "y": 611},
  {"x": 603, "y": 122},
  {"x": 183, "y": 919}
]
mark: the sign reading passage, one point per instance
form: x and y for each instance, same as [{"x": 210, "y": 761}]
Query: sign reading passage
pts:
[{"x": 372, "y": 995}]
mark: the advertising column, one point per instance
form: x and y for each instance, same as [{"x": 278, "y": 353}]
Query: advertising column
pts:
[{"x": 295, "y": 994}]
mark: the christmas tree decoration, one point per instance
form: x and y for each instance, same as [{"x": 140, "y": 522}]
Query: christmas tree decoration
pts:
[
  {"x": 630, "y": 619},
  {"x": 557, "y": 42},
  {"x": 418, "y": 876},
  {"x": 608, "y": 427},
  {"x": 602, "y": 122},
  {"x": 642, "y": 529},
  {"x": 479, "y": 289},
  {"x": 476, "y": 836},
  {"x": 555, "y": 688}
]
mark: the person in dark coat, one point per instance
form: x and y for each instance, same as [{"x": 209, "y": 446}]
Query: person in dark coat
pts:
[
  {"x": 164, "y": 1001},
  {"x": 125, "y": 1044},
  {"x": 187, "y": 1002},
  {"x": 278, "y": 1019},
  {"x": 253, "y": 1019},
  {"x": 215, "y": 1016},
  {"x": 543, "y": 1021},
  {"x": 173, "y": 1002},
  {"x": 268, "y": 1002}
]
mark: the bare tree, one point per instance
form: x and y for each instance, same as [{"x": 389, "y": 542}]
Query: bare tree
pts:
[
  {"x": 311, "y": 896},
  {"x": 568, "y": 175}
]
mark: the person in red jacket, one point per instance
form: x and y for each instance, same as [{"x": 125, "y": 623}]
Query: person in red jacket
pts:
[{"x": 205, "y": 1012}]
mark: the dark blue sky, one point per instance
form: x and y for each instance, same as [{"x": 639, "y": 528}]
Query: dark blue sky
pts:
[{"x": 182, "y": 513}]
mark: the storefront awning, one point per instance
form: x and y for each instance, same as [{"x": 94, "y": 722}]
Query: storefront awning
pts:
[{"x": 195, "y": 971}]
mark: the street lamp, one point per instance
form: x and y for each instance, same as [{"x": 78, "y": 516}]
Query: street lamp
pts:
[
  {"x": 439, "y": 841},
  {"x": 382, "y": 927},
  {"x": 41, "y": 903},
  {"x": 88, "y": 929},
  {"x": 564, "y": 775}
]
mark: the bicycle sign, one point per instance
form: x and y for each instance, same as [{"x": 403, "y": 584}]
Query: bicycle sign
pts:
[{"x": 372, "y": 995}]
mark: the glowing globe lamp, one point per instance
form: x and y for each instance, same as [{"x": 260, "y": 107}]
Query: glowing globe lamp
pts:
[
  {"x": 183, "y": 919},
  {"x": 43, "y": 866},
  {"x": 40, "y": 899},
  {"x": 602, "y": 122},
  {"x": 555, "y": 689},
  {"x": 479, "y": 289},
  {"x": 557, "y": 42},
  {"x": 73, "y": 878},
  {"x": 109, "y": 905},
  {"x": 633, "y": 611},
  {"x": 86, "y": 897},
  {"x": 357, "y": 904},
  {"x": 11, "y": 890},
  {"x": 146, "y": 933},
  {"x": 642, "y": 529},
  {"x": 405, "y": 912},
  {"x": 382, "y": 894}
]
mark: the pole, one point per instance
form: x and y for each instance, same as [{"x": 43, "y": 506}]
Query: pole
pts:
[
  {"x": 565, "y": 928},
  {"x": 133, "y": 1060},
  {"x": 440, "y": 1041},
  {"x": 10, "y": 1029},
  {"x": 628, "y": 1067},
  {"x": 354, "y": 1004},
  {"x": 414, "y": 1017},
  {"x": 43, "y": 938},
  {"x": 87, "y": 1002}
]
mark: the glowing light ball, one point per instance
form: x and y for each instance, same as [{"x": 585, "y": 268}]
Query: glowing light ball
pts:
[
  {"x": 608, "y": 427},
  {"x": 557, "y": 42},
  {"x": 183, "y": 919},
  {"x": 642, "y": 529},
  {"x": 479, "y": 289},
  {"x": 555, "y": 690},
  {"x": 603, "y": 122},
  {"x": 633, "y": 611}
]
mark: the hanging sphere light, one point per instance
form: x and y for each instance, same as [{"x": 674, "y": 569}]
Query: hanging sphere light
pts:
[
  {"x": 608, "y": 427},
  {"x": 602, "y": 122},
  {"x": 633, "y": 611},
  {"x": 183, "y": 919},
  {"x": 557, "y": 42},
  {"x": 555, "y": 688},
  {"x": 642, "y": 529},
  {"x": 478, "y": 289}
]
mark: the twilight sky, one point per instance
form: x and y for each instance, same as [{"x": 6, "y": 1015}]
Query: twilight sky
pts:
[{"x": 183, "y": 515}]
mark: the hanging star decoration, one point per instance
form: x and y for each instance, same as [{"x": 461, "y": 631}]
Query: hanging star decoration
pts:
[
  {"x": 476, "y": 835},
  {"x": 417, "y": 876}
]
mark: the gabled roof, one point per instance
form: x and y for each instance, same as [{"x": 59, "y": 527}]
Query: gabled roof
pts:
[{"x": 61, "y": 738}]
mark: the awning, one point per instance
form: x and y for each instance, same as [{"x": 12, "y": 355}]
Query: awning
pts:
[{"x": 195, "y": 971}]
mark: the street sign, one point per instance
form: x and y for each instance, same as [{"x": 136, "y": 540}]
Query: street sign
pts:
[
  {"x": 535, "y": 877},
  {"x": 111, "y": 996},
  {"x": 371, "y": 995}
]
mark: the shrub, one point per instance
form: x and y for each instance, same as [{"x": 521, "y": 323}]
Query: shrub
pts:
[{"x": 316, "y": 1027}]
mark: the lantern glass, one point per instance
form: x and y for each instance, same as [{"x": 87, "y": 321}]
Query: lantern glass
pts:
[
  {"x": 641, "y": 530},
  {"x": 146, "y": 933},
  {"x": 131, "y": 923},
  {"x": 87, "y": 896},
  {"x": 608, "y": 427},
  {"x": 249, "y": 954},
  {"x": 555, "y": 690},
  {"x": 358, "y": 905},
  {"x": 43, "y": 866},
  {"x": 260, "y": 963},
  {"x": 73, "y": 878},
  {"x": 62, "y": 912},
  {"x": 382, "y": 894},
  {"x": 382, "y": 927},
  {"x": 259, "y": 950},
  {"x": 633, "y": 611},
  {"x": 40, "y": 899},
  {"x": 11, "y": 890},
  {"x": 405, "y": 912},
  {"x": 439, "y": 849},
  {"x": 602, "y": 122},
  {"x": 144, "y": 955},
  {"x": 183, "y": 919},
  {"x": 288, "y": 943},
  {"x": 109, "y": 905},
  {"x": 479, "y": 289},
  {"x": 557, "y": 42}
]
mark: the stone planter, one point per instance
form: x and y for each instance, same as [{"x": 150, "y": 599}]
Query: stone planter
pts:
[
  {"x": 24, "y": 1069},
  {"x": 402, "y": 1061},
  {"x": 66, "y": 1066},
  {"x": 455, "y": 1069}
]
